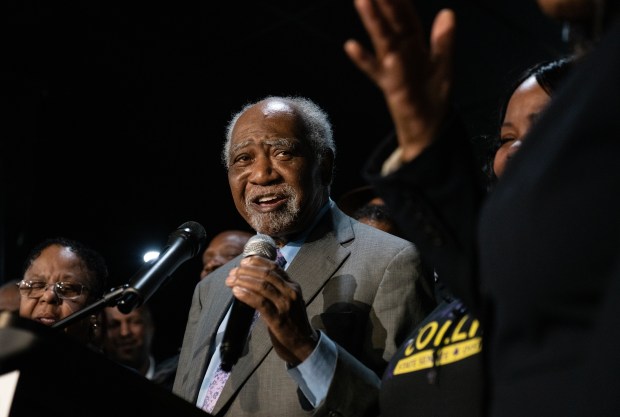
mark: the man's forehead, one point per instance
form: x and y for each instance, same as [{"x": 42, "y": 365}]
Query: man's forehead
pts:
[{"x": 265, "y": 110}]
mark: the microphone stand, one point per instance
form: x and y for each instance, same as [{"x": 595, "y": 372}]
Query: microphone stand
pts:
[
  {"x": 109, "y": 299},
  {"x": 186, "y": 240}
]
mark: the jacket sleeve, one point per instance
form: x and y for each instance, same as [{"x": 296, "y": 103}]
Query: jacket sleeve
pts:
[
  {"x": 354, "y": 390},
  {"x": 402, "y": 300}
]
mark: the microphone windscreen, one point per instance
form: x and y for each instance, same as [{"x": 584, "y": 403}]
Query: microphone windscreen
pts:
[
  {"x": 193, "y": 232},
  {"x": 261, "y": 245}
]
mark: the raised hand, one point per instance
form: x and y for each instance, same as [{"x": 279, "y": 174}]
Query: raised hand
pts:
[{"x": 414, "y": 75}]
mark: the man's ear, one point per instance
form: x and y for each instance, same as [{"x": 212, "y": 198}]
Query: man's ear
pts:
[{"x": 327, "y": 167}]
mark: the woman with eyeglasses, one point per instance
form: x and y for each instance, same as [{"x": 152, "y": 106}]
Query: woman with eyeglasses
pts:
[{"x": 62, "y": 276}]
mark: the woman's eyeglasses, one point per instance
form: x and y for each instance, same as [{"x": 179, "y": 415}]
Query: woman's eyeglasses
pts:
[{"x": 63, "y": 290}]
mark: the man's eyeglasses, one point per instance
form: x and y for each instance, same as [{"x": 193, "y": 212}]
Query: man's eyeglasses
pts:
[{"x": 64, "y": 290}]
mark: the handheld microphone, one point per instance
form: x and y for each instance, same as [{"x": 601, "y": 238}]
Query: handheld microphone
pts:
[
  {"x": 242, "y": 315},
  {"x": 183, "y": 244}
]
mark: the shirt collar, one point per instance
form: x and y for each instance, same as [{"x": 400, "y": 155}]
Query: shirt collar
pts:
[
  {"x": 289, "y": 251},
  {"x": 151, "y": 371}
]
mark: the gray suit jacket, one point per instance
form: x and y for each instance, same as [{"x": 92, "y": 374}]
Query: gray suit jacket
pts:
[{"x": 362, "y": 287}]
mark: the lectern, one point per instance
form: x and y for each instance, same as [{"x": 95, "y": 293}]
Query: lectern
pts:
[{"x": 58, "y": 376}]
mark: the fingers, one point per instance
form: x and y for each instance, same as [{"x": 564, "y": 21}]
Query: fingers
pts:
[
  {"x": 376, "y": 28},
  {"x": 442, "y": 44},
  {"x": 400, "y": 48},
  {"x": 264, "y": 286},
  {"x": 399, "y": 18},
  {"x": 261, "y": 284},
  {"x": 442, "y": 32},
  {"x": 363, "y": 59},
  {"x": 373, "y": 23},
  {"x": 388, "y": 22}
]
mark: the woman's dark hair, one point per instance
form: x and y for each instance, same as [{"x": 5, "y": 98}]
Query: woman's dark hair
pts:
[
  {"x": 379, "y": 212},
  {"x": 549, "y": 75},
  {"x": 95, "y": 263}
]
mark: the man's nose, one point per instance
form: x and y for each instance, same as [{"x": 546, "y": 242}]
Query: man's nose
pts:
[{"x": 262, "y": 171}]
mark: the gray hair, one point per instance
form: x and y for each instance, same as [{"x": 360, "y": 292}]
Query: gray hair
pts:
[{"x": 317, "y": 127}]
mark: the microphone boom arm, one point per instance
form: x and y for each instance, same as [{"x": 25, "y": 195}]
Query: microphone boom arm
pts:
[
  {"x": 184, "y": 243},
  {"x": 109, "y": 299}
]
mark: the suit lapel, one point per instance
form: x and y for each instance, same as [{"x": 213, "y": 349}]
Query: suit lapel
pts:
[
  {"x": 260, "y": 346},
  {"x": 214, "y": 306},
  {"x": 322, "y": 254}
]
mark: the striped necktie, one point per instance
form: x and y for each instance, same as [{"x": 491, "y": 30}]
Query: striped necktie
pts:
[{"x": 280, "y": 259}]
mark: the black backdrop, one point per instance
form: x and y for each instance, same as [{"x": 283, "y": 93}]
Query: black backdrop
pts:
[{"x": 115, "y": 111}]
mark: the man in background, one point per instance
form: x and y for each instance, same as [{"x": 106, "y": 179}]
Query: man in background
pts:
[
  {"x": 222, "y": 248},
  {"x": 129, "y": 342},
  {"x": 129, "y": 339}
]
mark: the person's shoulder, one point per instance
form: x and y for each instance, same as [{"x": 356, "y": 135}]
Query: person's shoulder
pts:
[
  {"x": 364, "y": 231},
  {"x": 165, "y": 371},
  {"x": 366, "y": 235},
  {"x": 167, "y": 365},
  {"x": 220, "y": 273}
]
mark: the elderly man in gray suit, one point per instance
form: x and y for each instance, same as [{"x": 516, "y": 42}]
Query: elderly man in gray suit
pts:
[{"x": 333, "y": 315}]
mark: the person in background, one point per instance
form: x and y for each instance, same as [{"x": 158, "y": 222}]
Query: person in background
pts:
[
  {"x": 537, "y": 260},
  {"x": 9, "y": 296},
  {"x": 363, "y": 204},
  {"x": 526, "y": 99},
  {"x": 61, "y": 276},
  {"x": 455, "y": 383},
  {"x": 222, "y": 248},
  {"x": 377, "y": 216},
  {"x": 333, "y": 315},
  {"x": 129, "y": 342},
  {"x": 129, "y": 339}
]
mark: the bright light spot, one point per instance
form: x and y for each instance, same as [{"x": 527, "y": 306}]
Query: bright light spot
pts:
[{"x": 150, "y": 255}]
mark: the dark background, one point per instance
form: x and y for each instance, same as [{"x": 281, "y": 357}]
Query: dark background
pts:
[{"x": 115, "y": 112}]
